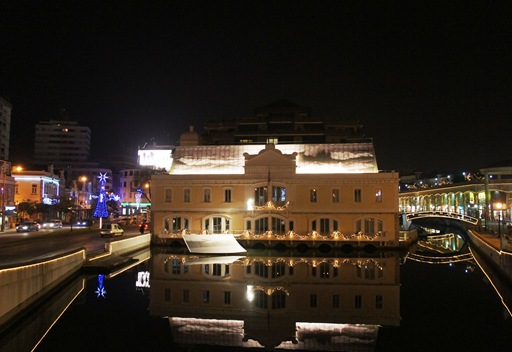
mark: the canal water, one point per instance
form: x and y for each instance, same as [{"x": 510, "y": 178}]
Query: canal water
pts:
[{"x": 383, "y": 301}]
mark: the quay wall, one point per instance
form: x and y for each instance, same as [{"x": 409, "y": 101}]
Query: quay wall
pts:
[
  {"x": 23, "y": 285},
  {"x": 501, "y": 260},
  {"x": 128, "y": 245},
  {"x": 403, "y": 239}
]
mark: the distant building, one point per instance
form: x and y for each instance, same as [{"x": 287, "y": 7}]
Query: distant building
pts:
[
  {"x": 281, "y": 122},
  {"x": 134, "y": 190},
  {"x": 61, "y": 143},
  {"x": 5, "y": 128},
  {"x": 7, "y": 205},
  {"x": 36, "y": 187}
]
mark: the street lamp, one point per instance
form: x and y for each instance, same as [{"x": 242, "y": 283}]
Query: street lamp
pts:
[
  {"x": 5, "y": 166},
  {"x": 499, "y": 206}
]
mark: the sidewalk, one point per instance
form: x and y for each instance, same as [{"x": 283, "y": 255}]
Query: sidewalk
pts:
[{"x": 488, "y": 238}]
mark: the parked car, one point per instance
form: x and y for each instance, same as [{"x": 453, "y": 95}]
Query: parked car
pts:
[
  {"x": 111, "y": 230},
  {"x": 83, "y": 222},
  {"x": 52, "y": 224},
  {"x": 28, "y": 226}
]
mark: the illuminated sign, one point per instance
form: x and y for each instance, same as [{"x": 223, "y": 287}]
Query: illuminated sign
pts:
[
  {"x": 142, "y": 279},
  {"x": 160, "y": 159}
]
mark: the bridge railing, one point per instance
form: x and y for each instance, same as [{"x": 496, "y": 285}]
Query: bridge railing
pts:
[{"x": 442, "y": 214}]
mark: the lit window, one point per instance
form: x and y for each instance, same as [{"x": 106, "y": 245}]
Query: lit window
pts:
[
  {"x": 335, "y": 195},
  {"x": 313, "y": 195},
  {"x": 378, "y": 195},
  {"x": 279, "y": 195},
  {"x": 260, "y": 196}
]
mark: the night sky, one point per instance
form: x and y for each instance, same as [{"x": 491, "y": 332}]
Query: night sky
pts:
[{"x": 430, "y": 80}]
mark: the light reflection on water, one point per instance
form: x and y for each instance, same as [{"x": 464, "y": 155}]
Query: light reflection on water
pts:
[{"x": 352, "y": 302}]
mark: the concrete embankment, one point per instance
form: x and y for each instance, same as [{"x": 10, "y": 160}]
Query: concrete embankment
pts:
[
  {"x": 497, "y": 251},
  {"x": 24, "y": 286},
  {"x": 116, "y": 254}
]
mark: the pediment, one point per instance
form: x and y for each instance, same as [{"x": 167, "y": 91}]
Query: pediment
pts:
[{"x": 270, "y": 157}]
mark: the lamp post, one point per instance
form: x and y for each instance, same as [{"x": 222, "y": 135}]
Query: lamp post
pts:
[
  {"x": 499, "y": 206},
  {"x": 3, "y": 170},
  {"x": 2, "y": 226}
]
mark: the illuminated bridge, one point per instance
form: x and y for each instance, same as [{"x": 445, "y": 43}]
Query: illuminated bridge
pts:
[{"x": 442, "y": 215}]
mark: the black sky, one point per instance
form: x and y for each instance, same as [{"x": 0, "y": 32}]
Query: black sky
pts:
[{"x": 429, "y": 80}]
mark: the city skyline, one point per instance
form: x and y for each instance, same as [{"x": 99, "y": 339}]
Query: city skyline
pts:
[{"x": 429, "y": 82}]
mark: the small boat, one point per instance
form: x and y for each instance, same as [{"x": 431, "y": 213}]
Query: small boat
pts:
[{"x": 212, "y": 244}]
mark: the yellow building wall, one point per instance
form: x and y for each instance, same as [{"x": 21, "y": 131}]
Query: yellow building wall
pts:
[{"x": 300, "y": 210}]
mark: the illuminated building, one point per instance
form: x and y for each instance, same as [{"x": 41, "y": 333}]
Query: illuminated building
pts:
[
  {"x": 36, "y": 186},
  {"x": 299, "y": 187},
  {"x": 134, "y": 191},
  {"x": 475, "y": 196}
]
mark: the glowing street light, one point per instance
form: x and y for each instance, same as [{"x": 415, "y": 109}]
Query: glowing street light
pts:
[{"x": 499, "y": 206}]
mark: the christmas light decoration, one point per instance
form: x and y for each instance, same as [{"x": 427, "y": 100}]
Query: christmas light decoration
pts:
[{"x": 101, "y": 210}]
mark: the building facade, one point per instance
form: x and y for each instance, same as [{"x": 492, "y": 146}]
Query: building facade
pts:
[
  {"x": 41, "y": 187},
  {"x": 5, "y": 128},
  {"x": 486, "y": 197},
  {"x": 134, "y": 191},
  {"x": 304, "y": 188},
  {"x": 7, "y": 205},
  {"x": 61, "y": 143}
]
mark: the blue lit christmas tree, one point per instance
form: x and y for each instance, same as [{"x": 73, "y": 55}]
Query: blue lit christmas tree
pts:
[{"x": 101, "y": 210}]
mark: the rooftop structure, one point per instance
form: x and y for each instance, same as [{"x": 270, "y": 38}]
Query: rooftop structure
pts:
[{"x": 281, "y": 122}]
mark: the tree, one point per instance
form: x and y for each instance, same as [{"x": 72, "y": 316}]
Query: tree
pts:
[{"x": 26, "y": 209}]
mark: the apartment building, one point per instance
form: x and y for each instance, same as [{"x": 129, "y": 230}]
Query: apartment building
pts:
[
  {"x": 61, "y": 143},
  {"x": 5, "y": 128}
]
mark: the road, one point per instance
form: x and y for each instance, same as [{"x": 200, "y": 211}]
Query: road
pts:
[{"x": 16, "y": 248}]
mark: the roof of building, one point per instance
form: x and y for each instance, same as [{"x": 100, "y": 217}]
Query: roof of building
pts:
[{"x": 311, "y": 158}]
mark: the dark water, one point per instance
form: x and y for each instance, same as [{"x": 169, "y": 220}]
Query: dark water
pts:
[{"x": 404, "y": 305}]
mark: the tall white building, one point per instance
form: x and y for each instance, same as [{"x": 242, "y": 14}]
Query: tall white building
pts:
[
  {"x": 5, "y": 128},
  {"x": 61, "y": 142}
]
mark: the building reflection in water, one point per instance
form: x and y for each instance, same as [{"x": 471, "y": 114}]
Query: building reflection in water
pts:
[{"x": 299, "y": 302}]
